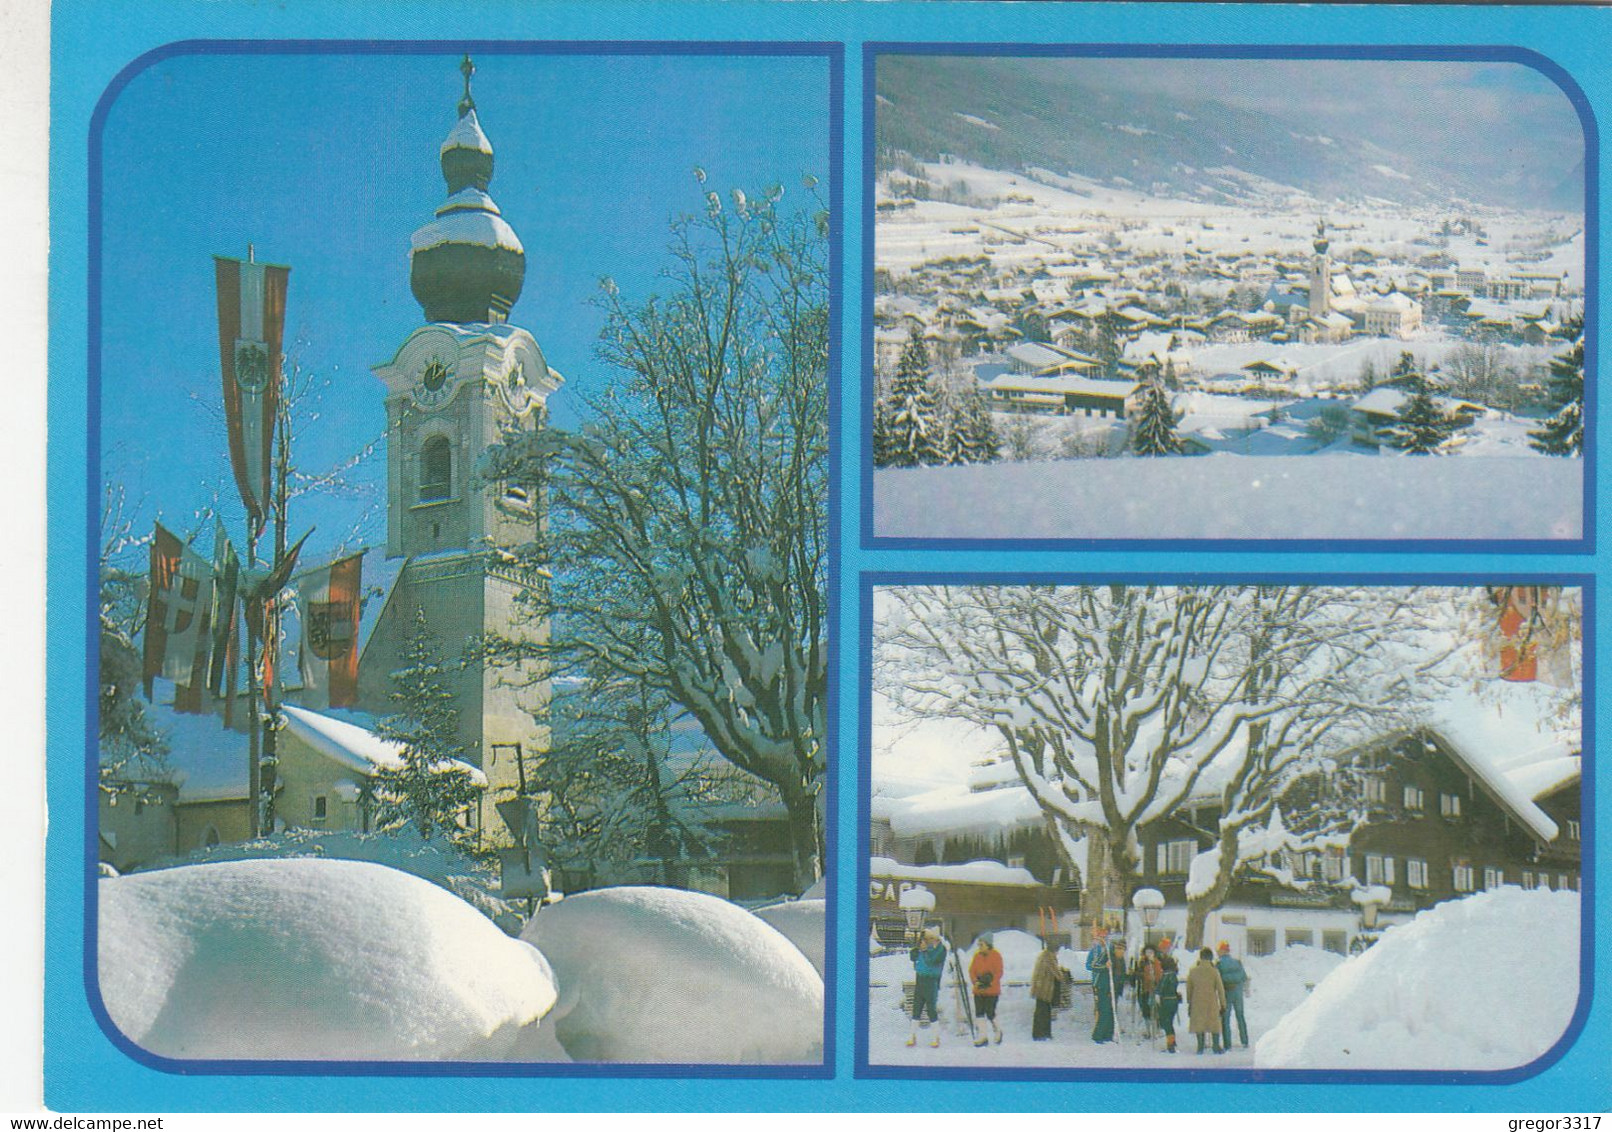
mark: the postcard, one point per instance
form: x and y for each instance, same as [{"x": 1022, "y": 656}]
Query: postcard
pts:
[{"x": 697, "y": 557}]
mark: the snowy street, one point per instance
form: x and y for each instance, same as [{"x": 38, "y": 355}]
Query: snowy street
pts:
[{"x": 1280, "y": 982}]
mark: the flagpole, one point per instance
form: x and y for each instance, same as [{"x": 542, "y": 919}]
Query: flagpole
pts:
[
  {"x": 254, "y": 723},
  {"x": 282, "y": 468}
]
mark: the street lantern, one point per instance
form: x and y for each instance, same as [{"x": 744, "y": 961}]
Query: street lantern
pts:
[
  {"x": 1148, "y": 902},
  {"x": 916, "y": 903},
  {"x": 1369, "y": 899}
]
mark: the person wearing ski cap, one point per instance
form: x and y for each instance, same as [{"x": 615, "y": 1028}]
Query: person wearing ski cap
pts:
[
  {"x": 1145, "y": 978},
  {"x": 1099, "y": 961},
  {"x": 1047, "y": 981},
  {"x": 1206, "y": 999},
  {"x": 1168, "y": 995},
  {"x": 928, "y": 961},
  {"x": 985, "y": 975},
  {"x": 1235, "y": 979}
]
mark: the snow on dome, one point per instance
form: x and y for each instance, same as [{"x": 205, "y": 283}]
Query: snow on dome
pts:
[
  {"x": 311, "y": 960},
  {"x": 803, "y": 922},
  {"x": 467, "y": 200},
  {"x": 1371, "y": 894},
  {"x": 1423, "y": 997},
  {"x": 471, "y": 226},
  {"x": 917, "y": 899},
  {"x": 467, "y": 134},
  {"x": 664, "y": 975}
]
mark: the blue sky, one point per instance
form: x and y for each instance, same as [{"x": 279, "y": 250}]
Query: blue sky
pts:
[{"x": 328, "y": 162}]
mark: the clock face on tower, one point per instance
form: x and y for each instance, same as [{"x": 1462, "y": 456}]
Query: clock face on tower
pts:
[{"x": 431, "y": 387}]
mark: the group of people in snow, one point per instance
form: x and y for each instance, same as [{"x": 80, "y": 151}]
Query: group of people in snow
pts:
[{"x": 1213, "y": 989}]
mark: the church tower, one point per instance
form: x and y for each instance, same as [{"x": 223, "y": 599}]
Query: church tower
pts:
[
  {"x": 1320, "y": 274},
  {"x": 465, "y": 380}
]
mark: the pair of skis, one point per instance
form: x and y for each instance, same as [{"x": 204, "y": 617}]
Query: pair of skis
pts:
[{"x": 965, "y": 999}]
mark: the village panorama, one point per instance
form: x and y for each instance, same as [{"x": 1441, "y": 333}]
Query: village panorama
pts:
[
  {"x": 1274, "y": 827},
  {"x": 1083, "y": 263}
]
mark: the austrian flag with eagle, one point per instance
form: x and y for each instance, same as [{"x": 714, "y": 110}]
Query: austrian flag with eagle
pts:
[
  {"x": 251, "y": 330},
  {"x": 328, "y": 601}
]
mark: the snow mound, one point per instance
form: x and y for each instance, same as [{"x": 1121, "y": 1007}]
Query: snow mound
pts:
[
  {"x": 1280, "y": 982},
  {"x": 663, "y": 975},
  {"x": 309, "y": 960},
  {"x": 1426, "y": 995},
  {"x": 803, "y": 922}
]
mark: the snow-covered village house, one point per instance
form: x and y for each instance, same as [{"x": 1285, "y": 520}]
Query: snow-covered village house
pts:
[{"x": 1477, "y": 798}]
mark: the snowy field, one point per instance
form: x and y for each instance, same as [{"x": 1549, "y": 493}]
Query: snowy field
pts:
[
  {"x": 1326, "y": 496},
  {"x": 1461, "y": 986},
  {"x": 1280, "y": 982}
]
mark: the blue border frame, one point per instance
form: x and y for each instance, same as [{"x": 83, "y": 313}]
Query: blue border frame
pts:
[
  {"x": 833, "y": 53},
  {"x": 1584, "y": 544},
  {"x": 1186, "y": 1074}
]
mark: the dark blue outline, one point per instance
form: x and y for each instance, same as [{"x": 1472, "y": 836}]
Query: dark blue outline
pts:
[
  {"x": 1584, "y": 544},
  {"x": 833, "y": 53},
  {"x": 1171, "y": 1074}
]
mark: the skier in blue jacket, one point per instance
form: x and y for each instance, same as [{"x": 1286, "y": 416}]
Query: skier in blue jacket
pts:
[
  {"x": 1235, "y": 978},
  {"x": 928, "y": 961}
]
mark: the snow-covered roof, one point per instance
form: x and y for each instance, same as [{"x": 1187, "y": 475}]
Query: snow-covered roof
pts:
[
  {"x": 1062, "y": 384},
  {"x": 954, "y": 810},
  {"x": 1511, "y": 747},
  {"x": 469, "y": 198},
  {"x": 1036, "y": 354},
  {"x": 467, "y": 134},
  {"x": 476, "y": 227},
  {"x": 207, "y": 762},
  {"x": 974, "y": 872},
  {"x": 354, "y": 746}
]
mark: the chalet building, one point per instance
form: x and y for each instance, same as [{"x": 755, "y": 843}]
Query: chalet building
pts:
[
  {"x": 1380, "y": 409},
  {"x": 1473, "y": 800},
  {"x": 1062, "y": 395},
  {"x": 1394, "y": 315},
  {"x": 1441, "y": 822},
  {"x": 971, "y": 898}
]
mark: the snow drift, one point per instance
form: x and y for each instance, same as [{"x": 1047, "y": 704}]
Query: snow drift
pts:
[
  {"x": 1462, "y": 986},
  {"x": 663, "y": 975},
  {"x": 803, "y": 921},
  {"x": 309, "y": 959}
]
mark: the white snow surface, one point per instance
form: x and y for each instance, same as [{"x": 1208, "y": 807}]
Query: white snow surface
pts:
[
  {"x": 355, "y": 747},
  {"x": 1455, "y": 988},
  {"x": 669, "y": 976},
  {"x": 466, "y": 226},
  {"x": 312, "y": 960},
  {"x": 1225, "y": 496},
  {"x": 974, "y": 872},
  {"x": 804, "y": 922}
]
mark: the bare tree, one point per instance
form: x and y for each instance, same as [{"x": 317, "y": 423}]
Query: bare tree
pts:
[
  {"x": 690, "y": 512},
  {"x": 1119, "y": 703}
]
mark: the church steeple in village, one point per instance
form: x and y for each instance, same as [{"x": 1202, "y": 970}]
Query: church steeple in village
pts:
[{"x": 465, "y": 380}]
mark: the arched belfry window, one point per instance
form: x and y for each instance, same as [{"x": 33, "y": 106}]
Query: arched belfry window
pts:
[{"x": 436, "y": 469}]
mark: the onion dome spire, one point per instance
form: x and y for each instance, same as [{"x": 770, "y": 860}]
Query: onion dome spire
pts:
[
  {"x": 1321, "y": 241},
  {"x": 467, "y": 265}
]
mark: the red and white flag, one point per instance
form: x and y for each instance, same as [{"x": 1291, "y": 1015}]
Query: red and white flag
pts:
[
  {"x": 327, "y": 601},
  {"x": 251, "y": 329},
  {"x": 179, "y": 607}
]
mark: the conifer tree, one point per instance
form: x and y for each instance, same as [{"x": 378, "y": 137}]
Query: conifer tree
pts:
[
  {"x": 973, "y": 432},
  {"x": 914, "y": 423},
  {"x": 431, "y": 787},
  {"x": 1422, "y": 427},
  {"x": 1563, "y": 433},
  {"x": 1154, "y": 432}
]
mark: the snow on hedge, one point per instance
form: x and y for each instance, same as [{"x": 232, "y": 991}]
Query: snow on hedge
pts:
[
  {"x": 803, "y": 921},
  {"x": 1486, "y": 982},
  {"x": 664, "y": 975},
  {"x": 312, "y": 959}
]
